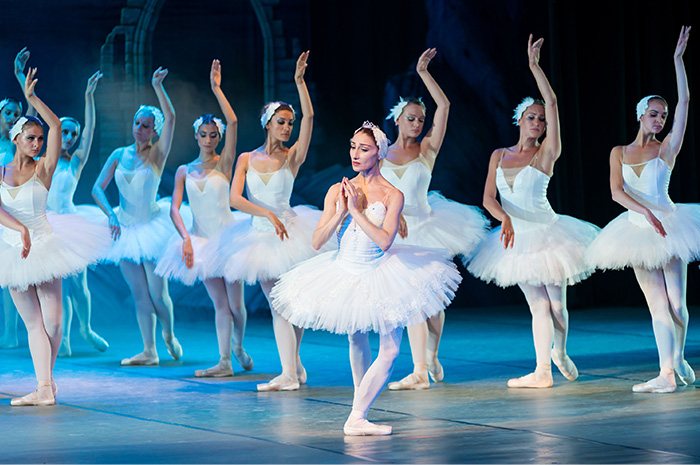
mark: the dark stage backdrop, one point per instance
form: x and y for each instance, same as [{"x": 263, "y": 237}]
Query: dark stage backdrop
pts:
[{"x": 601, "y": 58}]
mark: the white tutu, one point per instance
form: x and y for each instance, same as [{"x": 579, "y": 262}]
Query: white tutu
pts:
[
  {"x": 548, "y": 255},
  {"x": 146, "y": 241},
  {"x": 250, "y": 250},
  {"x": 624, "y": 243},
  {"x": 403, "y": 287},
  {"x": 450, "y": 225},
  {"x": 73, "y": 244}
]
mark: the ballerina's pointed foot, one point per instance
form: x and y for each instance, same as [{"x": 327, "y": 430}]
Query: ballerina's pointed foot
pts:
[
  {"x": 54, "y": 389},
  {"x": 283, "y": 382},
  {"x": 536, "y": 380},
  {"x": 220, "y": 370},
  {"x": 437, "y": 374},
  {"x": 658, "y": 385},
  {"x": 685, "y": 373},
  {"x": 362, "y": 427},
  {"x": 410, "y": 382},
  {"x": 243, "y": 359},
  {"x": 41, "y": 397},
  {"x": 95, "y": 340},
  {"x": 142, "y": 359},
  {"x": 301, "y": 373},
  {"x": 9, "y": 342},
  {"x": 565, "y": 364},
  {"x": 64, "y": 350},
  {"x": 173, "y": 345}
]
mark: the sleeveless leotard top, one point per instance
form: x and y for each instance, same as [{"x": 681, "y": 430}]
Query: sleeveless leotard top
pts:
[
  {"x": 137, "y": 194},
  {"x": 63, "y": 185},
  {"x": 209, "y": 201},
  {"x": 27, "y": 204},
  {"x": 354, "y": 246},
  {"x": 271, "y": 190},
  {"x": 523, "y": 193},
  {"x": 648, "y": 185},
  {"x": 413, "y": 180}
]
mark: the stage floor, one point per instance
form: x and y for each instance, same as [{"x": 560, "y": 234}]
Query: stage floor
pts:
[{"x": 110, "y": 414}]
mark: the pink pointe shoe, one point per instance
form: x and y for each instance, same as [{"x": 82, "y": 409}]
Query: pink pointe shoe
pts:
[
  {"x": 536, "y": 380},
  {"x": 43, "y": 396},
  {"x": 283, "y": 382},
  {"x": 409, "y": 383},
  {"x": 142, "y": 359},
  {"x": 565, "y": 364},
  {"x": 362, "y": 427},
  {"x": 658, "y": 385}
]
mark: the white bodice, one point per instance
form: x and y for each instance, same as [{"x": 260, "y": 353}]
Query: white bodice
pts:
[
  {"x": 355, "y": 248},
  {"x": 27, "y": 204},
  {"x": 209, "y": 201},
  {"x": 525, "y": 200},
  {"x": 649, "y": 188},
  {"x": 413, "y": 180},
  {"x": 271, "y": 190},
  {"x": 63, "y": 185},
  {"x": 137, "y": 194}
]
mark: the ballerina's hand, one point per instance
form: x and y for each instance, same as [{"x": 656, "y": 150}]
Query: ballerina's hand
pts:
[
  {"x": 340, "y": 201},
  {"x": 215, "y": 74},
  {"x": 654, "y": 221},
  {"x": 425, "y": 58},
  {"x": 351, "y": 196},
  {"x": 158, "y": 76},
  {"x": 92, "y": 83},
  {"x": 403, "y": 227},
  {"x": 114, "y": 227},
  {"x": 26, "y": 243},
  {"x": 507, "y": 233},
  {"x": 533, "y": 50},
  {"x": 30, "y": 83},
  {"x": 187, "y": 252},
  {"x": 682, "y": 42},
  {"x": 21, "y": 61},
  {"x": 280, "y": 230},
  {"x": 301, "y": 67}
]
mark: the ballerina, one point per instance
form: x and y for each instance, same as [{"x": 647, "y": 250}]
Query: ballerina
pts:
[
  {"x": 366, "y": 285},
  {"x": 190, "y": 253},
  {"x": 655, "y": 237},
  {"x": 140, "y": 222},
  {"x": 38, "y": 250},
  {"x": 431, "y": 219},
  {"x": 535, "y": 248}
]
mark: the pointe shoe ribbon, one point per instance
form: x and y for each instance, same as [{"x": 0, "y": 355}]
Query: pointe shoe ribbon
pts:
[
  {"x": 410, "y": 382},
  {"x": 566, "y": 365},
  {"x": 283, "y": 382},
  {"x": 363, "y": 427}
]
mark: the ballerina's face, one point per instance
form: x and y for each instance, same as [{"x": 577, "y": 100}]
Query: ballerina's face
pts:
[
  {"x": 30, "y": 140},
  {"x": 654, "y": 118},
  {"x": 411, "y": 121},
  {"x": 69, "y": 134},
  {"x": 280, "y": 125},
  {"x": 533, "y": 122},
  {"x": 143, "y": 129},
  {"x": 9, "y": 115},
  {"x": 208, "y": 137},
  {"x": 364, "y": 153}
]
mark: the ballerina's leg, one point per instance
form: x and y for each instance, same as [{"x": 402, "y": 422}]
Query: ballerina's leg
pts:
[
  {"x": 9, "y": 336},
  {"x": 236, "y": 304},
  {"x": 163, "y": 305},
  {"x": 65, "y": 349},
  {"x": 560, "y": 320},
  {"x": 676, "y": 278},
  {"x": 82, "y": 304},
  {"x": 135, "y": 277},
  {"x": 418, "y": 336}
]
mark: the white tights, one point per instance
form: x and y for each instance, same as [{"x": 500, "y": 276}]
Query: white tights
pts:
[
  {"x": 231, "y": 315},
  {"x": 9, "y": 337},
  {"x": 287, "y": 336},
  {"x": 550, "y": 319},
  {"x": 76, "y": 297},
  {"x": 665, "y": 293},
  {"x": 40, "y": 309},
  {"x": 151, "y": 299},
  {"x": 369, "y": 380},
  {"x": 425, "y": 341}
]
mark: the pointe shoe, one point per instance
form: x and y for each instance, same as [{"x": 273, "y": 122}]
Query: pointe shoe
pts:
[
  {"x": 9, "y": 342},
  {"x": 54, "y": 389},
  {"x": 410, "y": 382},
  {"x": 243, "y": 359},
  {"x": 41, "y": 397},
  {"x": 173, "y": 345},
  {"x": 537, "y": 380},
  {"x": 283, "y": 382},
  {"x": 566, "y": 365},
  {"x": 362, "y": 427},
  {"x": 437, "y": 374},
  {"x": 95, "y": 340},
  {"x": 301, "y": 374},
  {"x": 685, "y": 373},
  {"x": 64, "y": 350},
  {"x": 658, "y": 385},
  {"x": 142, "y": 359},
  {"x": 222, "y": 369}
]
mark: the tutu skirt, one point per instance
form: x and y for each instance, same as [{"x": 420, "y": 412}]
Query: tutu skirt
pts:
[
  {"x": 450, "y": 225},
  {"x": 624, "y": 243},
  {"x": 250, "y": 250},
  {"x": 403, "y": 287},
  {"x": 73, "y": 244},
  {"x": 552, "y": 254},
  {"x": 146, "y": 241}
]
